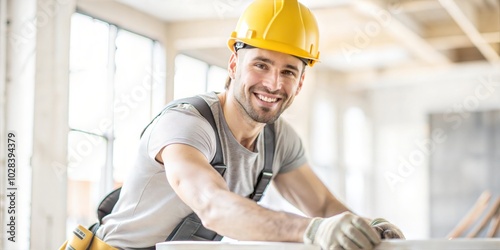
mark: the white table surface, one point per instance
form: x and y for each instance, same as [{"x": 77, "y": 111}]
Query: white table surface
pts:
[
  {"x": 240, "y": 245},
  {"x": 433, "y": 244},
  {"x": 441, "y": 244}
]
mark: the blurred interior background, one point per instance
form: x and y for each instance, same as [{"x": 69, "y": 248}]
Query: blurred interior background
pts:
[{"x": 401, "y": 118}]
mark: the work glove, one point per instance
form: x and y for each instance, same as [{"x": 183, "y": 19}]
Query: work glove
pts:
[
  {"x": 342, "y": 231},
  {"x": 386, "y": 230}
]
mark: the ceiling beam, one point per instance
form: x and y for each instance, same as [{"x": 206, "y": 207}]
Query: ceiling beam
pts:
[
  {"x": 461, "y": 41},
  {"x": 399, "y": 31},
  {"x": 422, "y": 5},
  {"x": 468, "y": 27}
]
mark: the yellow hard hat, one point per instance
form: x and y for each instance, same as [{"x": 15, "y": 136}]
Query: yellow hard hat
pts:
[{"x": 285, "y": 26}]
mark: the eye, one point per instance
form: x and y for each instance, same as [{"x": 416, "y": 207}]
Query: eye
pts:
[
  {"x": 261, "y": 65},
  {"x": 288, "y": 73}
]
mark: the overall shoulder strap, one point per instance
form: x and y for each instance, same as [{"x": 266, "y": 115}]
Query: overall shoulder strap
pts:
[
  {"x": 267, "y": 173},
  {"x": 202, "y": 106}
]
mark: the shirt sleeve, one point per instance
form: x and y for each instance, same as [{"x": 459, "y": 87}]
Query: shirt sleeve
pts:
[
  {"x": 182, "y": 124},
  {"x": 289, "y": 147}
]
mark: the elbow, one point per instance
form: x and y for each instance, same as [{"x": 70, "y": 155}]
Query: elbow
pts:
[
  {"x": 206, "y": 202},
  {"x": 208, "y": 213},
  {"x": 219, "y": 210},
  {"x": 209, "y": 222}
]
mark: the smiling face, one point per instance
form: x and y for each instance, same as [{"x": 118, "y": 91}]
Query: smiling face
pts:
[{"x": 264, "y": 83}]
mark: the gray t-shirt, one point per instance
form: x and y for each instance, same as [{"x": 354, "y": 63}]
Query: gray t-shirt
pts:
[{"x": 148, "y": 208}]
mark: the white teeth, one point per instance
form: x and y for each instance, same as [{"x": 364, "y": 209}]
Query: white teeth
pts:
[{"x": 267, "y": 99}]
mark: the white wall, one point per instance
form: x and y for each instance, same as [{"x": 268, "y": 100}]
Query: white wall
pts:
[
  {"x": 37, "y": 42},
  {"x": 399, "y": 109},
  {"x": 50, "y": 123},
  {"x": 18, "y": 104}
]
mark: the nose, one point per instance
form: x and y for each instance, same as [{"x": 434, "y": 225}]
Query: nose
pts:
[{"x": 272, "y": 81}]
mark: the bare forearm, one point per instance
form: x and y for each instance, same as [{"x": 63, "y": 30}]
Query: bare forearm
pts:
[
  {"x": 303, "y": 189},
  {"x": 229, "y": 214},
  {"x": 242, "y": 219},
  {"x": 334, "y": 207}
]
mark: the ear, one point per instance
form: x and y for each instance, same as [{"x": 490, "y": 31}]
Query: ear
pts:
[
  {"x": 301, "y": 81},
  {"x": 231, "y": 66}
]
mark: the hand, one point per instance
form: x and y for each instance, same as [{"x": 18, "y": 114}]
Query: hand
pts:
[
  {"x": 386, "y": 230},
  {"x": 342, "y": 231}
]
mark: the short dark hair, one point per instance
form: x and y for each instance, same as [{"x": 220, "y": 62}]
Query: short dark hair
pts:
[{"x": 228, "y": 82}]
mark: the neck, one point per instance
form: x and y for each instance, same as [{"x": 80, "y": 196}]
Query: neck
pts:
[{"x": 243, "y": 128}]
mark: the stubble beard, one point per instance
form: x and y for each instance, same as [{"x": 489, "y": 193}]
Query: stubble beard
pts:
[{"x": 259, "y": 114}]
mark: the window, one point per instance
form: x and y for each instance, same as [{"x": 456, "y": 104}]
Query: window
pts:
[
  {"x": 116, "y": 78},
  {"x": 323, "y": 138},
  {"x": 193, "y": 76},
  {"x": 357, "y": 154}
]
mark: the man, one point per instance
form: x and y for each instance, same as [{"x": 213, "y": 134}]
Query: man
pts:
[{"x": 273, "y": 43}]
